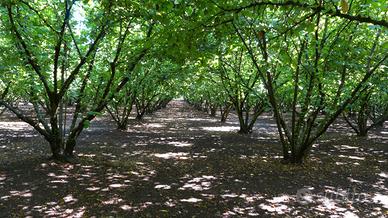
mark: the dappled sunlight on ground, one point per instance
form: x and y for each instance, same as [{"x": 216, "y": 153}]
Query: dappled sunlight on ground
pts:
[
  {"x": 51, "y": 209},
  {"x": 3, "y": 177},
  {"x": 180, "y": 162},
  {"x": 343, "y": 202},
  {"x": 381, "y": 199},
  {"x": 172, "y": 155},
  {"x": 191, "y": 200},
  {"x": 15, "y": 126},
  {"x": 180, "y": 144},
  {"x": 221, "y": 129},
  {"x": 11, "y": 131},
  {"x": 277, "y": 205},
  {"x": 198, "y": 184}
]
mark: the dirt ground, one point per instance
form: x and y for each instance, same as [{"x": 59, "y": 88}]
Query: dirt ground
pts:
[{"x": 180, "y": 162}]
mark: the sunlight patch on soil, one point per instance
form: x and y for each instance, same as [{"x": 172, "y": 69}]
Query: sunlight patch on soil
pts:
[
  {"x": 199, "y": 183},
  {"x": 355, "y": 180},
  {"x": 58, "y": 178},
  {"x": 165, "y": 187},
  {"x": 339, "y": 202},
  {"x": 138, "y": 208},
  {"x": 251, "y": 197},
  {"x": 347, "y": 147},
  {"x": 221, "y": 128},
  {"x": 25, "y": 193},
  {"x": 93, "y": 188},
  {"x": 117, "y": 185},
  {"x": 202, "y": 119},
  {"x": 250, "y": 211},
  {"x": 3, "y": 177},
  {"x": 264, "y": 158},
  {"x": 109, "y": 155},
  {"x": 329, "y": 205},
  {"x": 114, "y": 200},
  {"x": 145, "y": 174},
  {"x": 154, "y": 125},
  {"x": 61, "y": 181},
  {"x": 381, "y": 185},
  {"x": 170, "y": 203},
  {"x": 15, "y": 126},
  {"x": 189, "y": 119},
  {"x": 208, "y": 196},
  {"x": 381, "y": 199},
  {"x": 382, "y": 174},
  {"x": 149, "y": 125},
  {"x": 86, "y": 155},
  {"x": 232, "y": 195},
  {"x": 198, "y": 155},
  {"x": 75, "y": 213},
  {"x": 116, "y": 176},
  {"x": 180, "y": 144},
  {"x": 349, "y": 214},
  {"x": 172, "y": 155},
  {"x": 5, "y": 197},
  {"x": 54, "y": 210},
  {"x": 69, "y": 198},
  {"x": 276, "y": 208},
  {"x": 126, "y": 207},
  {"x": 278, "y": 204},
  {"x": 191, "y": 200},
  {"x": 280, "y": 199},
  {"x": 352, "y": 157}
]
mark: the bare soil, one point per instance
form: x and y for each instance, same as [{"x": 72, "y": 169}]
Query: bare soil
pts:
[{"x": 180, "y": 162}]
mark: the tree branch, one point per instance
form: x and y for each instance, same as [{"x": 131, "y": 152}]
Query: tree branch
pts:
[
  {"x": 77, "y": 69},
  {"x": 315, "y": 8},
  {"x": 40, "y": 16},
  {"x": 57, "y": 47},
  {"x": 27, "y": 52},
  {"x": 26, "y": 119}
]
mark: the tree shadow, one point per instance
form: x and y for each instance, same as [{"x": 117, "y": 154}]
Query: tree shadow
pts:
[{"x": 184, "y": 167}]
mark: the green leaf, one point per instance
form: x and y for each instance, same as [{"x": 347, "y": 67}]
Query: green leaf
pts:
[
  {"x": 86, "y": 124},
  {"x": 93, "y": 113}
]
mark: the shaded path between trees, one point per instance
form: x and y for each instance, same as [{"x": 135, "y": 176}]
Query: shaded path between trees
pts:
[{"x": 181, "y": 162}]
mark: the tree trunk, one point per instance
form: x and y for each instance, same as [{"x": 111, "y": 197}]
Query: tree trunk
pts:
[
  {"x": 244, "y": 129},
  {"x": 56, "y": 151},
  {"x": 362, "y": 132},
  {"x": 56, "y": 147},
  {"x": 123, "y": 125},
  {"x": 362, "y": 119},
  {"x": 224, "y": 116},
  {"x": 213, "y": 111},
  {"x": 225, "y": 113},
  {"x": 140, "y": 116},
  {"x": 69, "y": 148},
  {"x": 299, "y": 154},
  {"x": 298, "y": 158}
]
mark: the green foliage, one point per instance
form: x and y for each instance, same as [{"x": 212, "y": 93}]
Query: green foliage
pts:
[
  {"x": 86, "y": 124},
  {"x": 310, "y": 60}
]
